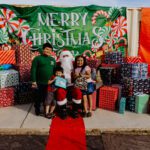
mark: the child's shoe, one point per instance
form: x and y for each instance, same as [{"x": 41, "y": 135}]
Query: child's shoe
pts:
[
  {"x": 89, "y": 114},
  {"x": 52, "y": 115},
  {"x": 84, "y": 114},
  {"x": 48, "y": 116}
]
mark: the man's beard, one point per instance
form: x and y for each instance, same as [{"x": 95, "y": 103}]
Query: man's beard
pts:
[{"x": 67, "y": 65}]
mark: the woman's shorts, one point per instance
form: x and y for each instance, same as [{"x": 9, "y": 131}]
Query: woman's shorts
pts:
[{"x": 90, "y": 89}]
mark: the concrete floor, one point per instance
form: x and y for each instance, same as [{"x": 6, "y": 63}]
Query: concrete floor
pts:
[{"x": 23, "y": 117}]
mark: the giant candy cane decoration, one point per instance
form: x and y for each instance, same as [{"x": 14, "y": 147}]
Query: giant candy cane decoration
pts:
[{"x": 99, "y": 12}]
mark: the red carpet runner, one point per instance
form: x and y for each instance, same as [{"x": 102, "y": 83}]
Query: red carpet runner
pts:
[{"x": 67, "y": 134}]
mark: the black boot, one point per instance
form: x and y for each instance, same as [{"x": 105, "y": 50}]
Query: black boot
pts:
[
  {"x": 63, "y": 111},
  {"x": 75, "y": 108}
]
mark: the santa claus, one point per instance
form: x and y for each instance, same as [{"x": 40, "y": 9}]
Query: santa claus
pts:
[
  {"x": 73, "y": 94},
  {"x": 66, "y": 61}
]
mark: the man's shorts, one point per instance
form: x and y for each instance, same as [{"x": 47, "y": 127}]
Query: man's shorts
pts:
[{"x": 50, "y": 99}]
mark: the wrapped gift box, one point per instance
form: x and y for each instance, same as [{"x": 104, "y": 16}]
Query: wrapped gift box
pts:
[
  {"x": 7, "y": 96},
  {"x": 141, "y": 103},
  {"x": 108, "y": 75},
  {"x": 108, "y": 97},
  {"x": 113, "y": 57},
  {"x": 60, "y": 82},
  {"x": 119, "y": 93},
  {"x": 144, "y": 70},
  {"x": 122, "y": 105},
  {"x": 25, "y": 94},
  {"x": 23, "y": 54},
  {"x": 132, "y": 86},
  {"x": 9, "y": 78},
  {"x": 134, "y": 70},
  {"x": 24, "y": 87},
  {"x": 93, "y": 63},
  {"x": 148, "y": 109},
  {"x": 130, "y": 103},
  {"x": 117, "y": 71},
  {"x": 7, "y": 57},
  {"x": 133, "y": 59},
  {"x": 26, "y": 97},
  {"x": 24, "y": 72}
]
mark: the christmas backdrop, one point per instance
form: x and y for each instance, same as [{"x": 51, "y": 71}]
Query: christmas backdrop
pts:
[{"x": 78, "y": 29}]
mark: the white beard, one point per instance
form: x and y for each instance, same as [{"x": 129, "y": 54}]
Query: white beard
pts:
[{"x": 66, "y": 64}]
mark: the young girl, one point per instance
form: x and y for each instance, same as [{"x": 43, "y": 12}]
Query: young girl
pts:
[
  {"x": 55, "y": 93},
  {"x": 82, "y": 70}
]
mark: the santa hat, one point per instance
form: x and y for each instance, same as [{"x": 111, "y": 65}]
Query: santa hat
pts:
[{"x": 65, "y": 52}]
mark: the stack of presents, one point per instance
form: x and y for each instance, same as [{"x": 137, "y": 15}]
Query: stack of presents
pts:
[
  {"x": 15, "y": 85},
  {"x": 126, "y": 85}
]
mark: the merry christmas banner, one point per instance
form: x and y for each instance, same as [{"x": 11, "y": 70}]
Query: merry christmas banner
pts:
[{"x": 79, "y": 29}]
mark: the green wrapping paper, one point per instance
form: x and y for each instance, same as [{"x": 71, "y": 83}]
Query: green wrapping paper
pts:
[{"x": 141, "y": 103}]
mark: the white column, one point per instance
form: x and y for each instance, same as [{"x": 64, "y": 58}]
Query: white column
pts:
[
  {"x": 129, "y": 29},
  {"x": 135, "y": 33}
]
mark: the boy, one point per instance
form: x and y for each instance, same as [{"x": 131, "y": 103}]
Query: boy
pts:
[
  {"x": 41, "y": 71},
  {"x": 60, "y": 96}
]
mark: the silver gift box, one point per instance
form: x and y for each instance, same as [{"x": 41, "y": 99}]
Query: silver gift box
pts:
[{"x": 9, "y": 78}]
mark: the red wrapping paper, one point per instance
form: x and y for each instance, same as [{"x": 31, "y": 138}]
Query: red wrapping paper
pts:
[{"x": 7, "y": 96}]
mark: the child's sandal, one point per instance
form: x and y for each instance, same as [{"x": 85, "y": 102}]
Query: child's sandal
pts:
[
  {"x": 89, "y": 114},
  {"x": 48, "y": 116}
]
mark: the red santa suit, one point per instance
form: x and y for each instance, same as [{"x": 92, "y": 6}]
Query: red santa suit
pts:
[
  {"x": 66, "y": 61},
  {"x": 61, "y": 96},
  {"x": 61, "y": 102}
]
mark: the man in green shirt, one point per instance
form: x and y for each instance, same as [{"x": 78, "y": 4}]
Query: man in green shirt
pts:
[{"x": 41, "y": 71}]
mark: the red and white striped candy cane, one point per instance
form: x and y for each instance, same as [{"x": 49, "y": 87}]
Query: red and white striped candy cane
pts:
[
  {"x": 28, "y": 42},
  {"x": 124, "y": 39},
  {"x": 99, "y": 12}
]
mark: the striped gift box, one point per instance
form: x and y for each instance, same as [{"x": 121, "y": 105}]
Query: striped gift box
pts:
[
  {"x": 132, "y": 59},
  {"x": 7, "y": 57},
  {"x": 108, "y": 97}
]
